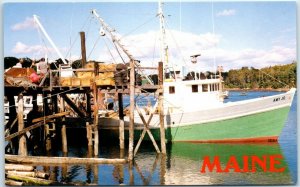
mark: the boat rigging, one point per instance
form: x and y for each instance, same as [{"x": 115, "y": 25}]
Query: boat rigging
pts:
[{"x": 116, "y": 41}]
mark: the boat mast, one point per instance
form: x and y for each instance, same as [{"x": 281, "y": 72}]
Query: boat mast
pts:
[
  {"x": 163, "y": 46},
  {"x": 117, "y": 42},
  {"x": 36, "y": 20}
]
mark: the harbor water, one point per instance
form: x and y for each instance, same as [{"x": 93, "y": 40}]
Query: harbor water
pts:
[{"x": 183, "y": 162}]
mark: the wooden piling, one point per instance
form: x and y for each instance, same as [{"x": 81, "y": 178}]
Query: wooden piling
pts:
[
  {"x": 54, "y": 101},
  {"x": 161, "y": 109},
  {"x": 121, "y": 118},
  {"x": 88, "y": 104},
  {"x": 96, "y": 121},
  {"x": 131, "y": 173},
  {"x": 47, "y": 138},
  {"x": 131, "y": 109},
  {"x": 22, "y": 141},
  {"x": 89, "y": 134},
  {"x": 163, "y": 161},
  {"x": 61, "y": 104},
  {"x": 45, "y": 104},
  {"x": 83, "y": 50},
  {"x": 64, "y": 136}
]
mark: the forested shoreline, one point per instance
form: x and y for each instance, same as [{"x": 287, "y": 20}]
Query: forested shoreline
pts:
[{"x": 273, "y": 77}]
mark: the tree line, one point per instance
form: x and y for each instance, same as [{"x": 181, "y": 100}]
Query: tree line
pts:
[{"x": 278, "y": 76}]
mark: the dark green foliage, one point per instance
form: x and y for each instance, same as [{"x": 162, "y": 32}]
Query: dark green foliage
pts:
[
  {"x": 10, "y": 62},
  {"x": 77, "y": 64},
  {"x": 279, "y": 76}
]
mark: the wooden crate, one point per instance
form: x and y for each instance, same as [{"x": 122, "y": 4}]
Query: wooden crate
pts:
[
  {"x": 85, "y": 74},
  {"x": 107, "y": 67},
  {"x": 105, "y": 79},
  {"x": 101, "y": 66},
  {"x": 65, "y": 81},
  {"x": 105, "y": 75},
  {"x": 85, "y": 82},
  {"x": 75, "y": 81},
  {"x": 105, "y": 82}
]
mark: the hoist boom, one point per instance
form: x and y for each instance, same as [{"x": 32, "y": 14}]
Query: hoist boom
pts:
[{"x": 36, "y": 20}]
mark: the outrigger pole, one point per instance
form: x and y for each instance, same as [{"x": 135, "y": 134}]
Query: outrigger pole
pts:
[{"x": 36, "y": 20}]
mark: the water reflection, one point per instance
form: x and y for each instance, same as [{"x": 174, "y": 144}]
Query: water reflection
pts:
[
  {"x": 181, "y": 166},
  {"x": 187, "y": 159}
]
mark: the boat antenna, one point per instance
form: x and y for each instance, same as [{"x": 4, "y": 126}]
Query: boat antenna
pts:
[
  {"x": 36, "y": 20},
  {"x": 116, "y": 41},
  {"x": 213, "y": 29},
  {"x": 163, "y": 46}
]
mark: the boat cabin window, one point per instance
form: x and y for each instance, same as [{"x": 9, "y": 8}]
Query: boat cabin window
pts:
[
  {"x": 195, "y": 88},
  {"x": 204, "y": 87},
  {"x": 171, "y": 89},
  {"x": 214, "y": 87}
]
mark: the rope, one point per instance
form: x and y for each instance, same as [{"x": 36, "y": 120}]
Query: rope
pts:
[
  {"x": 109, "y": 51},
  {"x": 146, "y": 22},
  {"x": 119, "y": 53},
  {"x": 273, "y": 77},
  {"x": 94, "y": 46},
  {"x": 72, "y": 45}
]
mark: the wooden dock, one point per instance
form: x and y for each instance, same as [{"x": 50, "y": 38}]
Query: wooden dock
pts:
[{"x": 92, "y": 81}]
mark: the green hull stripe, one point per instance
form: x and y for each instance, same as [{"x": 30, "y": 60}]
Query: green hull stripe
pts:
[{"x": 266, "y": 124}]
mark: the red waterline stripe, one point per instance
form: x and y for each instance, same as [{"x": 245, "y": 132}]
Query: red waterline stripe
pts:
[{"x": 236, "y": 140}]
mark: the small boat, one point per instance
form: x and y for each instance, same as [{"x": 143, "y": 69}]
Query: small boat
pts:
[{"x": 244, "y": 93}]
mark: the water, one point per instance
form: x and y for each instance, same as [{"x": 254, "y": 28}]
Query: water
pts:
[{"x": 183, "y": 162}]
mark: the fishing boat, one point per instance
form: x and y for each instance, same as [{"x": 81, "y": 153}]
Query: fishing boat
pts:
[{"x": 194, "y": 110}]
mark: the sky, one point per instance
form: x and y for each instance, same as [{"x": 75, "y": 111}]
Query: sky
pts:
[{"x": 231, "y": 34}]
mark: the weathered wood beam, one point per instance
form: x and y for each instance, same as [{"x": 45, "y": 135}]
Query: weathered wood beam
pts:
[
  {"x": 58, "y": 115},
  {"x": 30, "y": 180},
  {"x": 22, "y": 141},
  {"x": 81, "y": 113},
  {"x": 13, "y": 183},
  {"x": 121, "y": 123},
  {"x": 38, "y": 174},
  {"x": 131, "y": 109},
  {"x": 26, "y": 129},
  {"x": 18, "y": 167},
  {"x": 161, "y": 110},
  {"x": 61, "y": 160}
]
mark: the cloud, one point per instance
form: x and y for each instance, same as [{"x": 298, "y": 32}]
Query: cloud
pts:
[
  {"x": 182, "y": 45},
  {"x": 145, "y": 46},
  {"x": 33, "y": 50},
  {"x": 21, "y": 48},
  {"x": 226, "y": 12},
  {"x": 28, "y": 23}
]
